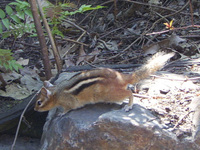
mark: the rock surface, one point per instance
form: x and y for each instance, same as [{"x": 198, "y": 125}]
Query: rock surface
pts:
[{"x": 106, "y": 127}]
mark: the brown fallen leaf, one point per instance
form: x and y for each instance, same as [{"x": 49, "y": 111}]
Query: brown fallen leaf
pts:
[
  {"x": 159, "y": 46},
  {"x": 91, "y": 57}
]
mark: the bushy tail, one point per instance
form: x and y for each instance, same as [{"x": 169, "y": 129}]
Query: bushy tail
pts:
[{"x": 152, "y": 65}]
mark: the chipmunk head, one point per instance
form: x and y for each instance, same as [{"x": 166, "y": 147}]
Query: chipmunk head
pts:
[{"x": 45, "y": 100}]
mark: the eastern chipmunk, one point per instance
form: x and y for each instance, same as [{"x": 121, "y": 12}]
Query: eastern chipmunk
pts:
[{"x": 94, "y": 86}]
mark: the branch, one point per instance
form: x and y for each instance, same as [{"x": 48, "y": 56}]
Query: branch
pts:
[
  {"x": 41, "y": 38},
  {"x": 54, "y": 48}
]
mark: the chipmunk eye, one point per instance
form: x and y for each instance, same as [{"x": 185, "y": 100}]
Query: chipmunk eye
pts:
[{"x": 39, "y": 103}]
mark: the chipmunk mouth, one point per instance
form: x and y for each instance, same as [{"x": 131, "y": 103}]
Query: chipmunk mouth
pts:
[{"x": 38, "y": 109}]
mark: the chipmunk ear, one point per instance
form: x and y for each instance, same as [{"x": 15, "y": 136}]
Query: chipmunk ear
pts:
[
  {"x": 47, "y": 84},
  {"x": 45, "y": 92}
]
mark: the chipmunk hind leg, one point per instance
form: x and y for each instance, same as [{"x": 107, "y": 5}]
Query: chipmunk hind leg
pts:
[
  {"x": 129, "y": 106},
  {"x": 123, "y": 94},
  {"x": 119, "y": 95}
]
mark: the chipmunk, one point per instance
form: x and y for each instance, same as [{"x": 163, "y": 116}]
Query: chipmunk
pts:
[{"x": 94, "y": 86}]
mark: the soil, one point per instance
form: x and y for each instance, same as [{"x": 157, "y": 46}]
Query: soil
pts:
[
  {"x": 173, "y": 99},
  {"x": 22, "y": 143}
]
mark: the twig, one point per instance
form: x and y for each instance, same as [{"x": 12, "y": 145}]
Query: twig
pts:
[
  {"x": 54, "y": 47},
  {"x": 114, "y": 30},
  {"x": 78, "y": 27},
  {"x": 186, "y": 79},
  {"x": 127, "y": 60},
  {"x": 40, "y": 33},
  {"x": 27, "y": 44},
  {"x": 85, "y": 17},
  {"x": 74, "y": 44},
  {"x": 20, "y": 120},
  {"x": 141, "y": 96},
  {"x": 92, "y": 20},
  {"x": 123, "y": 50},
  {"x": 107, "y": 33},
  {"x": 160, "y": 32},
  {"x": 191, "y": 12},
  {"x": 147, "y": 4},
  {"x": 166, "y": 17},
  {"x": 181, "y": 119},
  {"x": 144, "y": 4},
  {"x": 93, "y": 66},
  {"x": 71, "y": 40}
]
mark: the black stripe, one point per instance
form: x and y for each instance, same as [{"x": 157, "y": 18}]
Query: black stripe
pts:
[
  {"x": 83, "y": 86},
  {"x": 80, "y": 79}
]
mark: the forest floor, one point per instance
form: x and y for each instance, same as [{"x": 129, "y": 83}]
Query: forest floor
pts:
[{"x": 23, "y": 143}]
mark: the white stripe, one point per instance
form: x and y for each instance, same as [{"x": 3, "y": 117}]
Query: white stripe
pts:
[{"x": 82, "y": 83}]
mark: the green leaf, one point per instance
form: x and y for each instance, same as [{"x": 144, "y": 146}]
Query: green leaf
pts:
[
  {"x": 5, "y": 52},
  {"x": 14, "y": 3},
  {"x": 10, "y": 65},
  {"x": 15, "y": 18},
  {"x": 6, "y": 66},
  {"x": 21, "y": 14},
  {"x": 21, "y": 31},
  {"x": 28, "y": 12},
  {"x": 9, "y": 10},
  {"x": 6, "y": 34},
  {"x": 1, "y": 29},
  {"x": 17, "y": 8},
  {"x": 33, "y": 35},
  {"x": 23, "y": 4},
  {"x": 65, "y": 5},
  {"x": 84, "y": 8},
  {"x": 99, "y": 7},
  {"x": 2, "y": 14},
  {"x": 7, "y": 61},
  {"x": 6, "y": 23},
  {"x": 15, "y": 65}
]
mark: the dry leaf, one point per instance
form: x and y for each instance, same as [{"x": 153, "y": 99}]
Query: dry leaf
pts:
[
  {"x": 87, "y": 57},
  {"x": 155, "y": 2},
  {"x": 15, "y": 91},
  {"x": 68, "y": 61},
  {"x": 22, "y": 61},
  {"x": 82, "y": 55},
  {"x": 159, "y": 46},
  {"x": 29, "y": 79}
]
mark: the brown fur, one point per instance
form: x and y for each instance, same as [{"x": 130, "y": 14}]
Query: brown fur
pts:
[{"x": 94, "y": 86}]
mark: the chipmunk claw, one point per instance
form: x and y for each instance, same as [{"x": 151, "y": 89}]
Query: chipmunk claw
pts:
[{"x": 127, "y": 108}]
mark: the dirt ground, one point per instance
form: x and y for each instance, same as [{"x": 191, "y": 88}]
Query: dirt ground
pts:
[{"x": 23, "y": 143}]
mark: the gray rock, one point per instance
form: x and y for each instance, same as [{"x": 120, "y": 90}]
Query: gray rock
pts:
[
  {"x": 195, "y": 106},
  {"x": 106, "y": 127}
]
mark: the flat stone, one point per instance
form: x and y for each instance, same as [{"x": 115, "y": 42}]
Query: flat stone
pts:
[{"x": 106, "y": 127}]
